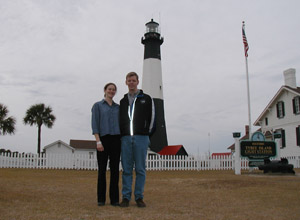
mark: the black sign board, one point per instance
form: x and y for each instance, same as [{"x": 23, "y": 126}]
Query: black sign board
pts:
[{"x": 258, "y": 150}]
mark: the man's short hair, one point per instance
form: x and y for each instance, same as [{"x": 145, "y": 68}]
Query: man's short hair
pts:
[{"x": 132, "y": 74}]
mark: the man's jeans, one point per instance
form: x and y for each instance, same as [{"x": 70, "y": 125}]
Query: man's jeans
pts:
[{"x": 133, "y": 154}]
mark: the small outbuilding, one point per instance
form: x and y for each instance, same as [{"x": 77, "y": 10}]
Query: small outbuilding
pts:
[
  {"x": 75, "y": 147},
  {"x": 59, "y": 147}
]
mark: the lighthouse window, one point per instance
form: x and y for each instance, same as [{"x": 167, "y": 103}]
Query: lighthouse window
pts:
[
  {"x": 282, "y": 143},
  {"x": 152, "y": 29}
]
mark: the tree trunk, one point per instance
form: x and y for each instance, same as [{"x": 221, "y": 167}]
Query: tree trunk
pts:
[{"x": 39, "y": 139}]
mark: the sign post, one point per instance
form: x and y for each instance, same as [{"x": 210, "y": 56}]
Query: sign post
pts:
[{"x": 237, "y": 154}]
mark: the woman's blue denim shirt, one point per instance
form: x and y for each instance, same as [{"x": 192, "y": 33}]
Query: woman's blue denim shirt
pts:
[{"x": 105, "y": 118}]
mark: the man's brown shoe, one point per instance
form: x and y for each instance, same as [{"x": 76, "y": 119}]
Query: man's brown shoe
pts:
[
  {"x": 140, "y": 203},
  {"x": 124, "y": 203}
]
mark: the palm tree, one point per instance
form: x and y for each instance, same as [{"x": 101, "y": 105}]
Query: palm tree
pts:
[
  {"x": 39, "y": 115},
  {"x": 7, "y": 124}
]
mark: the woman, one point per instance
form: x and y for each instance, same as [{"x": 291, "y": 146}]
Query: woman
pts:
[{"x": 105, "y": 126}]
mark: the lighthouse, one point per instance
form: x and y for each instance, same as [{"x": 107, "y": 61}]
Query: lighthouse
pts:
[{"x": 152, "y": 82}]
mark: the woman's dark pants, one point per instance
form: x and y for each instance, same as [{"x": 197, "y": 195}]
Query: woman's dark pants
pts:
[{"x": 112, "y": 149}]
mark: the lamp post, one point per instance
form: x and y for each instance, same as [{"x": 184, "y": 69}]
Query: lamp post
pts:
[
  {"x": 209, "y": 144},
  {"x": 277, "y": 137}
]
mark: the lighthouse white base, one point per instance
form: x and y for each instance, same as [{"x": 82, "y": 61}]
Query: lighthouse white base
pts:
[{"x": 152, "y": 78}]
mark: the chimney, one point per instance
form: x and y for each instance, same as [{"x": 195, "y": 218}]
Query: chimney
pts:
[
  {"x": 247, "y": 130},
  {"x": 290, "y": 78}
]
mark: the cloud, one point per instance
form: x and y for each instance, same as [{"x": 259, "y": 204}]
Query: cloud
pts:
[{"x": 62, "y": 53}]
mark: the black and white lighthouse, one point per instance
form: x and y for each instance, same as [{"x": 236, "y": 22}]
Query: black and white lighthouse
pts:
[{"x": 152, "y": 82}]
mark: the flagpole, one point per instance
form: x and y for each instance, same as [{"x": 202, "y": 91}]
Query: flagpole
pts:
[
  {"x": 248, "y": 94},
  {"x": 246, "y": 47}
]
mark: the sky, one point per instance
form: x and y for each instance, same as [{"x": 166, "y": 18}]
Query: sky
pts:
[{"x": 62, "y": 53}]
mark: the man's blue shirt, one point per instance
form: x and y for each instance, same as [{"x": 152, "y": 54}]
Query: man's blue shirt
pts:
[{"x": 105, "y": 118}]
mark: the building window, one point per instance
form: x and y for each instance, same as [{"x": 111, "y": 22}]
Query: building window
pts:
[
  {"x": 280, "y": 109},
  {"x": 266, "y": 121},
  {"x": 282, "y": 143},
  {"x": 298, "y": 135},
  {"x": 296, "y": 105}
]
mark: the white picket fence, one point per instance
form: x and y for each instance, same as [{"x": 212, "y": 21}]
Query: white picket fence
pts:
[{"x": 154, "y": 162}]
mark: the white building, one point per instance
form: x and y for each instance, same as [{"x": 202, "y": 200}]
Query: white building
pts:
[
  {"x": 282, "y": 115},
  {"x": 75, "y": 147}
]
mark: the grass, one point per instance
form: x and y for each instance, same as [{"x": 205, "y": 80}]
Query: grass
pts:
[{"x": 71, "y": 194}]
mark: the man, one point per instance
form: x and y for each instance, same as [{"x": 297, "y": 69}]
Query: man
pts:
[{"x": 136, "y": 122}]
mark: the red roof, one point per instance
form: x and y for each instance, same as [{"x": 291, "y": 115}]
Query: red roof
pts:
[{"x": 173, "y": 150}]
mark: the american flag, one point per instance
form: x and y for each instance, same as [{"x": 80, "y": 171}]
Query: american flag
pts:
[{"x": 246, "y": 46}]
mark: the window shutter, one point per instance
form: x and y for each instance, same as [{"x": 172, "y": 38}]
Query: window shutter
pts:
[
  {"x": 283, "y": 112},
  {"x": 298, "y": 135},
  {"x": 277, "y": 109},
  {"x": 283, "y": 138},
  {"x": 294, "y": 106}
]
